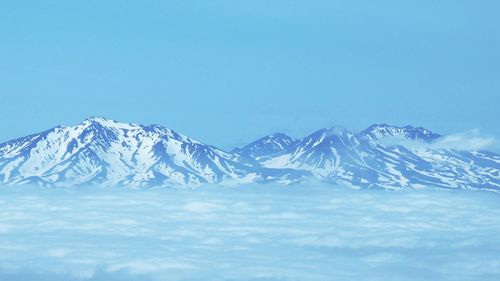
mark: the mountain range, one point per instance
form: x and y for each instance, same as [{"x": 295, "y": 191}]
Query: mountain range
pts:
[{"x": 104, "y": 152}]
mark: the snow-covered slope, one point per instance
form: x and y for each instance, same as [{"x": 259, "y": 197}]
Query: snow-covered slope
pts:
[
  {"x": 265, "y": 146},
  {"x": 379, "y": 131},
  {"x": 104, "y": 152},
  {"x": 363, "y": 160}
]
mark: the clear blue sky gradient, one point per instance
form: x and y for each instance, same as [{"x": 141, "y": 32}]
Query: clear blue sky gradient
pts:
[{"x": 227, "y": 72}]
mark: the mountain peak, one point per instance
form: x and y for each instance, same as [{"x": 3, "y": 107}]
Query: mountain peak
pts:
[
  {"x": 107, "y": 123},
  {"x": 379, "y": 131},
  {"x": 100, "y": 120},
  {"x": 329, "y": 133},
  {"x": 104, "y": 152},
  {"x": 336, "y": 130},
  {"x": 277, "y": 135},
  {"x": 267, "y": 145}
]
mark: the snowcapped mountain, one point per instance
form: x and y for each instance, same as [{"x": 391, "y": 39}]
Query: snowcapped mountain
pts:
[
  {"x": 265, "y": 146},
  {"x": 104, "y": 152},
  {"x": 379, "y": 131},
  {"x": 364, "y": 160}
]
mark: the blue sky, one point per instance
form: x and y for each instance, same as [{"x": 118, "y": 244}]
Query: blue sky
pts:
[{"x": 226, "y": 72}]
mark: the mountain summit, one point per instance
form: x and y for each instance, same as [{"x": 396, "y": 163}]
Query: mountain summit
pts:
[
  {"x": 266, "y": 145},
  {"x": 379, "y": 131},
  {"x": 104, "y": 152}
]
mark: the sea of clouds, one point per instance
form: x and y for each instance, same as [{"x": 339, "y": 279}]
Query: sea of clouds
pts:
[{"x": 259, "y": 232}]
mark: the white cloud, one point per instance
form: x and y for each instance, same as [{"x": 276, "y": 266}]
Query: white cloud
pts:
[
  {"x": 202, "y": 207},
  {"x": 57, "y": 252},
  {"x": 302, "y": 233},
  {"x": 471, "y": 140}
]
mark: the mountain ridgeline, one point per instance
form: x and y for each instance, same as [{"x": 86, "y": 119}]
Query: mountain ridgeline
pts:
[{"x": 104, "y": 152}]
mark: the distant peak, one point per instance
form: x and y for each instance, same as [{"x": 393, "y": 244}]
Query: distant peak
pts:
[
  {"x": 278, "y": 136},
  {"x": 386, "y": 127},
  {"x": 382, "y": 125},
  {"x": 108, "y": 123},
  {"x": 337, "y": 129},
  {"x": 331, "y": 131},
  {"x": 378, "y": 131},
  {"x": 269, "y": 144},
  {"x": 99, "y": 119}
]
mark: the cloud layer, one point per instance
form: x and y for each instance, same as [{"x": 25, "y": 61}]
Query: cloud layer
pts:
[
  {"x": 471, "y": 140},
  {"x": 248, "y": 233}
]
